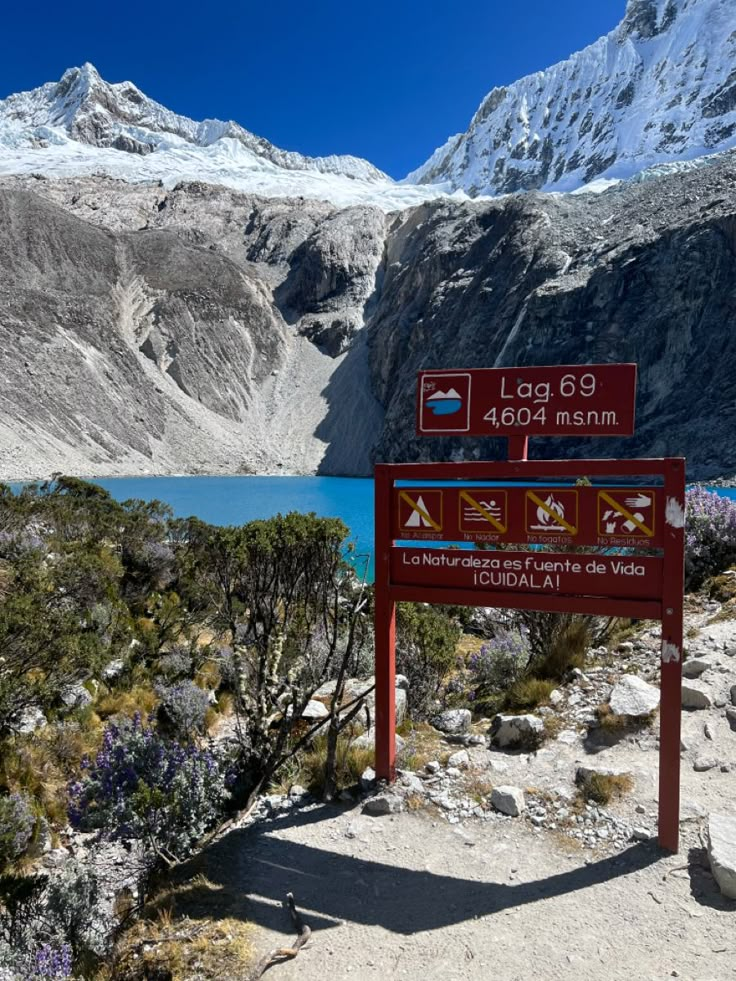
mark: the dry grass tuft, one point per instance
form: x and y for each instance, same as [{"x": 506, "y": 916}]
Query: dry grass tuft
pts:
[
  {"x": 621, "y": 724},
  {"x": 602, "y": 788},
  {"x": 528, "y": 693},
  {"x": 141, "y": 698},
  {"x": 351, "y": 762}
]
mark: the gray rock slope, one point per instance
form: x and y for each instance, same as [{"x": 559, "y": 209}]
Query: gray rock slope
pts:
[{"x": 203, "y": 330}]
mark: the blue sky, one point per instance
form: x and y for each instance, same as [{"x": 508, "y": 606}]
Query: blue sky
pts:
[{"x": 388, "y": 81}]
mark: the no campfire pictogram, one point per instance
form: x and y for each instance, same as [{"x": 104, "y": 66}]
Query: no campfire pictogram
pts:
[
  {"x": 627, "y": 512},
  {"x": 553, "y": 513},
  {"x": 420, "y": 511},
  {"x": 483, "y": 511}
]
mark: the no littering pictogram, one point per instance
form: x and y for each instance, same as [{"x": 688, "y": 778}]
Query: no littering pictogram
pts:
[
  {"x": 420, "y": 511},
  {"x": 626, "y": 512}
]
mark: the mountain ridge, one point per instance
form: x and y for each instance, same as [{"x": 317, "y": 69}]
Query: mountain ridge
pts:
[{"x": 660, "y": 87}]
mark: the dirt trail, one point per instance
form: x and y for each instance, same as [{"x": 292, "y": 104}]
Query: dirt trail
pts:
[{"x": 411, "y": 897}]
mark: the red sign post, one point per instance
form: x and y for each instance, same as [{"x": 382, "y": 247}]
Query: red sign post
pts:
[{"x": 622, "y": 505}]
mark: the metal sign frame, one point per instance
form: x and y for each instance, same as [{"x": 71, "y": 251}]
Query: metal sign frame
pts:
[{"x": 666, "y": 606}]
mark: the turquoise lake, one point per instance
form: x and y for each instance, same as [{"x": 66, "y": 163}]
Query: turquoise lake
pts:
[{"x": 235, "y": 500}]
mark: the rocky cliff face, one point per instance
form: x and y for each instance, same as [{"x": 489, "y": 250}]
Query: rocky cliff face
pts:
[
  {"x": 203, "y": 330},
  {"x": 660, "y": 87},
  {"x": 645, "y": 272}
]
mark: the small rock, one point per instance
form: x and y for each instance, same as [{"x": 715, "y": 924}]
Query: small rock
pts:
[
  {"x": 568, "y": 737},
  {"x": 633, "y": 697},
  {"x": 703, "y": 763},
  {"x": 368, "y": 779},
  {"x": 410, "y": 783},
  {"x": 556, "y": 698},
  {"x": 584, "y": 774},
  {"x": 641, "y": 834},
  {"x": 695, "y": 666},
  {"x": 113, "y": 669},
  {"x": 460, "y": 759},
  {"x": 625, "y": 647},
  {"x": 695, "y": 696},
  {"x": 401, "y": 700},
  {"x": 75, "y": 696},
  {"x": 297, "y": 791},
  {"x": 508, "y": 800},
  {"x": 433, "y": 766},
  {"x": 731, "y": 716},
  {"x": 401, "y": 681},
  {"x": 453, "y": 721},
  {"x": 508, "y": 731},
  {"x": 30, "y": 720},
  {"x": 722, "y": 852},
  {"x": 733, "y": 694},
  {"x": 453, "y": 772},
  {"x": 383, "y": 804},
  {"x": 315, "y": 711},
  {"x": 476, "y": 740},
  {"x": 708, "y": 731}
]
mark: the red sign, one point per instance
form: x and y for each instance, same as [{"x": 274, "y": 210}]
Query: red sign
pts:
[
  {"x": 528, "y": 572},
  {"x": 573, "y": 400},
  {"x": 592, "y": 516}
]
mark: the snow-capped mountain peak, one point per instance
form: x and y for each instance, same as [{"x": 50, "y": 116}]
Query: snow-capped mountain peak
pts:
[
  {"x": 661, "y": 87},
  {"x": 90, "y": 110}
]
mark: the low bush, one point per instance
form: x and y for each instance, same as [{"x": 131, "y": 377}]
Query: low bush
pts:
[
  {"x": 601, "y": 788},
  {"x": 710, "y": 535},
  {"x": 146, "y": 788},
  {"x": 183, "y": 709},
  {"x": 18, "y": 822},
  {"x": 528, "y": 693},
  {"x": 426, "y": 642},
  {"x": 351, "y": 762},
  {"x": 500, "y": 662}
]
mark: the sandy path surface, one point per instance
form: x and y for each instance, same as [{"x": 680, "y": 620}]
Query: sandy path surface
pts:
[{"x": 411, "y": 897}]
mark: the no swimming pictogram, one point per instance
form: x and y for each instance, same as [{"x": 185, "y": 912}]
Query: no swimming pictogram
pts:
[{"x": 483, "y": 511}]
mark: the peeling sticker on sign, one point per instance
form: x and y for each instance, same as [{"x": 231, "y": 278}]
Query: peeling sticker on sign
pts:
[
  {"x": 670, "y": 652},
  {"x": 674, "y": 513}
]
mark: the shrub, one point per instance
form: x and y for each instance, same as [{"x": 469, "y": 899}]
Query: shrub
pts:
[
  {"x": 426, "y": 641},
  {"x": 501, "y": 661},
  {"x": 527, "y": 693},
  {"x": 184, "y": 708},
  {"x": 710, "y": 535},
  {"x": 601, "y": 788},
  {"x": 52, "y": 962},
  {"x": 351, "y": 762},
  {"x": 18, "y": 821},
  {"x": 176, "y": 664},
  {"x": 145, "y": 788}
]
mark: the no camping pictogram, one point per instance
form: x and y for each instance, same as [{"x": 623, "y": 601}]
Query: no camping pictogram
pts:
[
  {"x": 626, "y": 512},
  {"x": 421, "y": 511},
  {"x": 552, "y": 513},
  {"x": 483, "y": 511}
]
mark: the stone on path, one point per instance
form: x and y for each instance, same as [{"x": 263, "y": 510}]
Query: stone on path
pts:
[
  {"x": 695, "y": 666},
  {"x": 510, "y": 731},
  {"x": 383, "y": 804},
  {"x": 508, "y": 800},
  {"x": 453, "y": 721},
  {"x": 695, "y": 695},
  {"x": 733, "y": 694},
  {"x": 460, "y": 759},
  {"x": 584, "y": 774},
  {"x": 722, "y": 852},
  {"x": 703, "y": 763},
  {"x": 634, "y": 697}
]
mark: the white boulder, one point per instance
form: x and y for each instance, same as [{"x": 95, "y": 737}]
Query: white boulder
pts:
[
  {"x": 695, "y": 666},
  {"x": 722, "y": 852},
  {"x": 461, "y": 759},
  {"x": 315, "y": 711},
  {"x": 510, "y": 731},
  {"x": 383, "y": 804},
  {"x": 508, "y": 800},
  {"x": 634, "y": 697},
  {"x": 695, "y": 695},
  {"x": 453, "y": 721}
]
